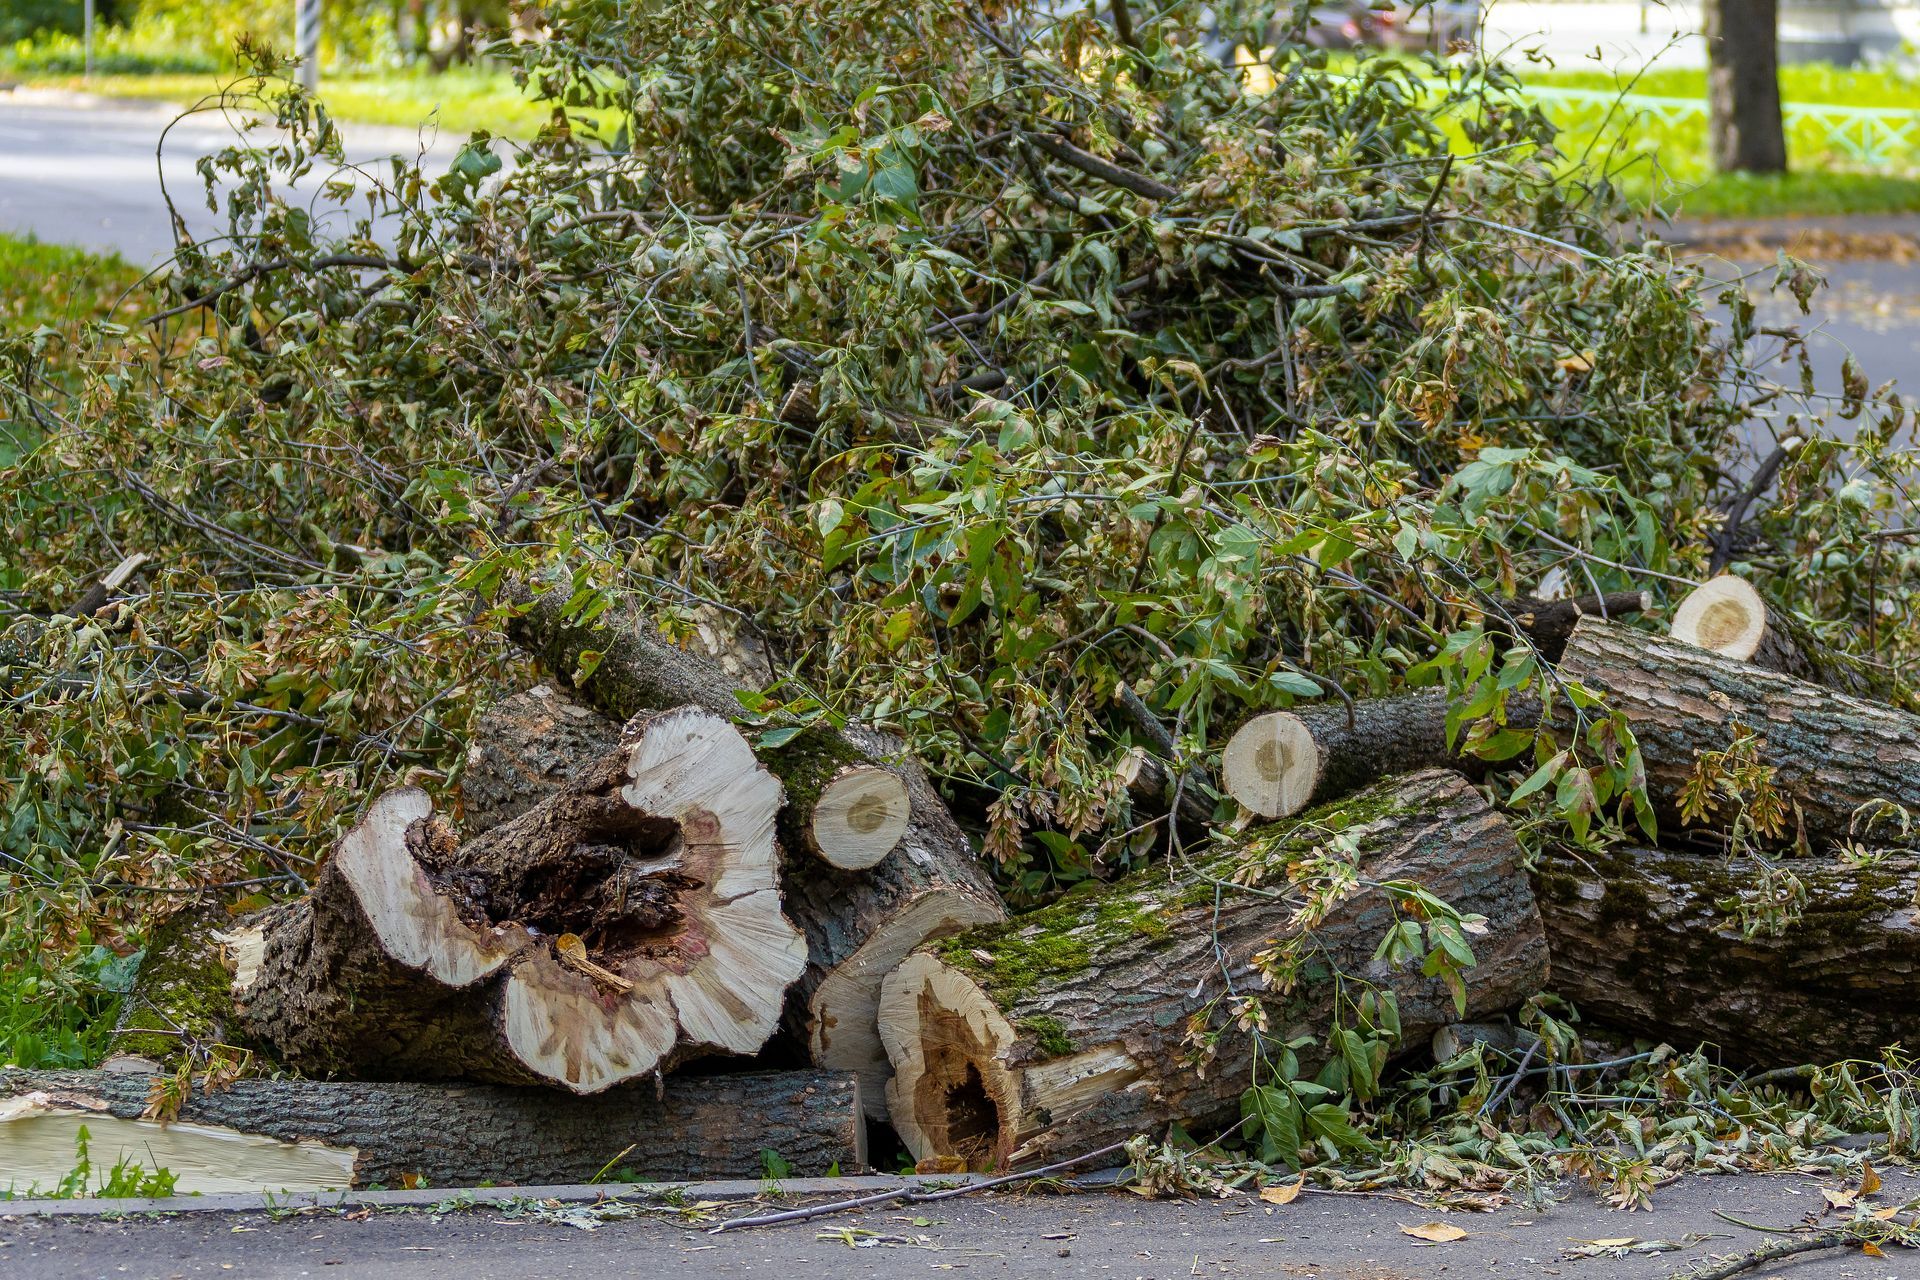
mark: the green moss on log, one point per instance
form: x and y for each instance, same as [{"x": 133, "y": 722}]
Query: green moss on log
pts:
[{"x": 182, "y": 998}]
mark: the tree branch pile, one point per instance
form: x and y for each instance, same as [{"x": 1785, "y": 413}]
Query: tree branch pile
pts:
[{"x": 991, "y": 555}]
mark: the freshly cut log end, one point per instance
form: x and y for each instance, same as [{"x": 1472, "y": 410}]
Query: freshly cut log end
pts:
[
  {"x": 1271, "y": 765},
  {"x": 1725, "y": 616},
  {"x": 629, "y": 921},
  {"x": 1730, "y": 617},
  {"x": 1075, "y": 1026},
  {"x": 711, "y": 974},
  {"x": 309, "y": 1135},
  {"x": 860, "y": 816}
]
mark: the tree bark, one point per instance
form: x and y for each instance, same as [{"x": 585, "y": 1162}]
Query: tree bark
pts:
[
  {"x": 632, "y": 920},
  {"x": 1069, "y": 1028},
  {"x": 1282, "y": 762},
  {"x": 1830, "y": 753},
  {"x": 1547, "y": 624},
  {"x": 1650, "y": 941},
  {"x": 259, "y": 1134},
  {"x": 1745, "y": 132},
  {"x": 1729, "y": 616},
  {"x": 858, "y": 925}
]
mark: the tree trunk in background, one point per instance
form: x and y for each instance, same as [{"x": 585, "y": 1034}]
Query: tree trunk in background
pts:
[{"x": 1743, "y": 85}]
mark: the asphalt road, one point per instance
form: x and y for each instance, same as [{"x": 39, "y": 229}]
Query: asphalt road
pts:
[
  {"x": 1107, "y": 1234},
  {"x": 91, "y": 175}
]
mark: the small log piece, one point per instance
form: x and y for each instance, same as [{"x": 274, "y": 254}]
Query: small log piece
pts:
[
  {"x": 858, "y": 924},
  {"x": 1831, "y": 754},
  {"x": 309, "y": 1135},
  {"x": 1069, "y": 1028},
  {"x": 1652, "y": 941},
  {"x": 632, "y": 920},
  {"x": 1728, "y": 616},
  {"x": 1281, "y": 762}
]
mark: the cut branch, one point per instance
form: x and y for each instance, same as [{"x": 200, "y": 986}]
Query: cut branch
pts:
[
  {"x": 1729, "y": 617},
  {"x": 857, "y": 926},
  {"x": 1652, "y": 941}
]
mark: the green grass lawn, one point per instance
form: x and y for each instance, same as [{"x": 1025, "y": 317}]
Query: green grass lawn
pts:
[
  {"x": 1668, "y": 162},
  {"x": 56, "y": 997}
]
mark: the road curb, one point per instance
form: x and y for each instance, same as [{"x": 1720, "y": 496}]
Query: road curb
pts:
[{"x": 463, "y": 1197}]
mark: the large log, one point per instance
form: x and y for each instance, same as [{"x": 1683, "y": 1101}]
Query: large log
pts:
[
  {"x": 258, "y": 1134},
  {"x": 1728, "y": 616},
  {"x": 1069, "y": 1028},
  {"x": 858, "y": 924},
  {"x": 628, "y": 922},
  {"x": 1832, "y": 755},
  {"x": 1652, "y": 941}
]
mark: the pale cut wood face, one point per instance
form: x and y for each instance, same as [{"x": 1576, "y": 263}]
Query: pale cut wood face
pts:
[
  {"x": 860, "y": 816},
  {"x": 716, "y": 977},
  {"x": 38, "y": 1131},
  {"x": 1726, "y": 616},
  {"x": 1271, "y": 765}
]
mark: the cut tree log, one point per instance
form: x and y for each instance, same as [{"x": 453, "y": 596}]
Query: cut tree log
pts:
[
  {"x": 1729, "y": 617},
  {"x": 634, "y": 919},
  {"x": 308, "y": 1135},
  {"x": 1651, "y": 941},
  {"x": 1074, "y": 1026},
  {"x": 1831, "y": 754},
  {"x": 858, "y": 925},
  {"x": 1282, "y": 762}
]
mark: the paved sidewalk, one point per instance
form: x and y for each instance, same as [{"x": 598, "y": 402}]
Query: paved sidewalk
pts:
[{"x": 1105, "y": 1234}]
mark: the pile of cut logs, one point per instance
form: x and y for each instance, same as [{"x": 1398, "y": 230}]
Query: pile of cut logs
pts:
[{"x": 636, "y": 898}]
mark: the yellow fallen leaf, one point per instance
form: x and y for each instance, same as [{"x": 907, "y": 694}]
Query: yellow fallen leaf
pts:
[
  {"x": 1837, "y": 1199},
  {"x": 1881, "y": 1215},
  {"x": 1437, "y": 1232},
  {"x": 1283, "y": 1195},
  {"x": 1869, "y": 1181},
  {"x": 1872, "y": 1250},
  {"x": 1618, "y": 1242}
]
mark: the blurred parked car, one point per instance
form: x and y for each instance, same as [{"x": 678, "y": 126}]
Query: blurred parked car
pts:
[{"x": 1424, "y": 24}]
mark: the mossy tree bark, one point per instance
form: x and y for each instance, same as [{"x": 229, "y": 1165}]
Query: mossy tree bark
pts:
[
  {"x": 1075, "y": 1026},
  {"x": 858, "y": 924},
  {"x": 628, "y": 922},
  {"x": 306, "y": 1134},
  {"x": 1831, "y": 754},
  {"x": 1651, "y": 941}
]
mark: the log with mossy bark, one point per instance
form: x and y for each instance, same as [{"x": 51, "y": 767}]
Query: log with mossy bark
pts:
[
  {"x": 858, "y": 924},
  {"x": 260, "y": 1134},
  {"x": 1840, "y": 766},
  {"x": 1730, "y": 617},
  {"x": 627, "y": 923},
  {"x": 1088, "y": 1021},
  {"x": 1770, "y": 962}
]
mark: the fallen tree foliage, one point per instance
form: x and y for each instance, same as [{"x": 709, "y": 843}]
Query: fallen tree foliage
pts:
[{"x": 985, "y": 410}]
